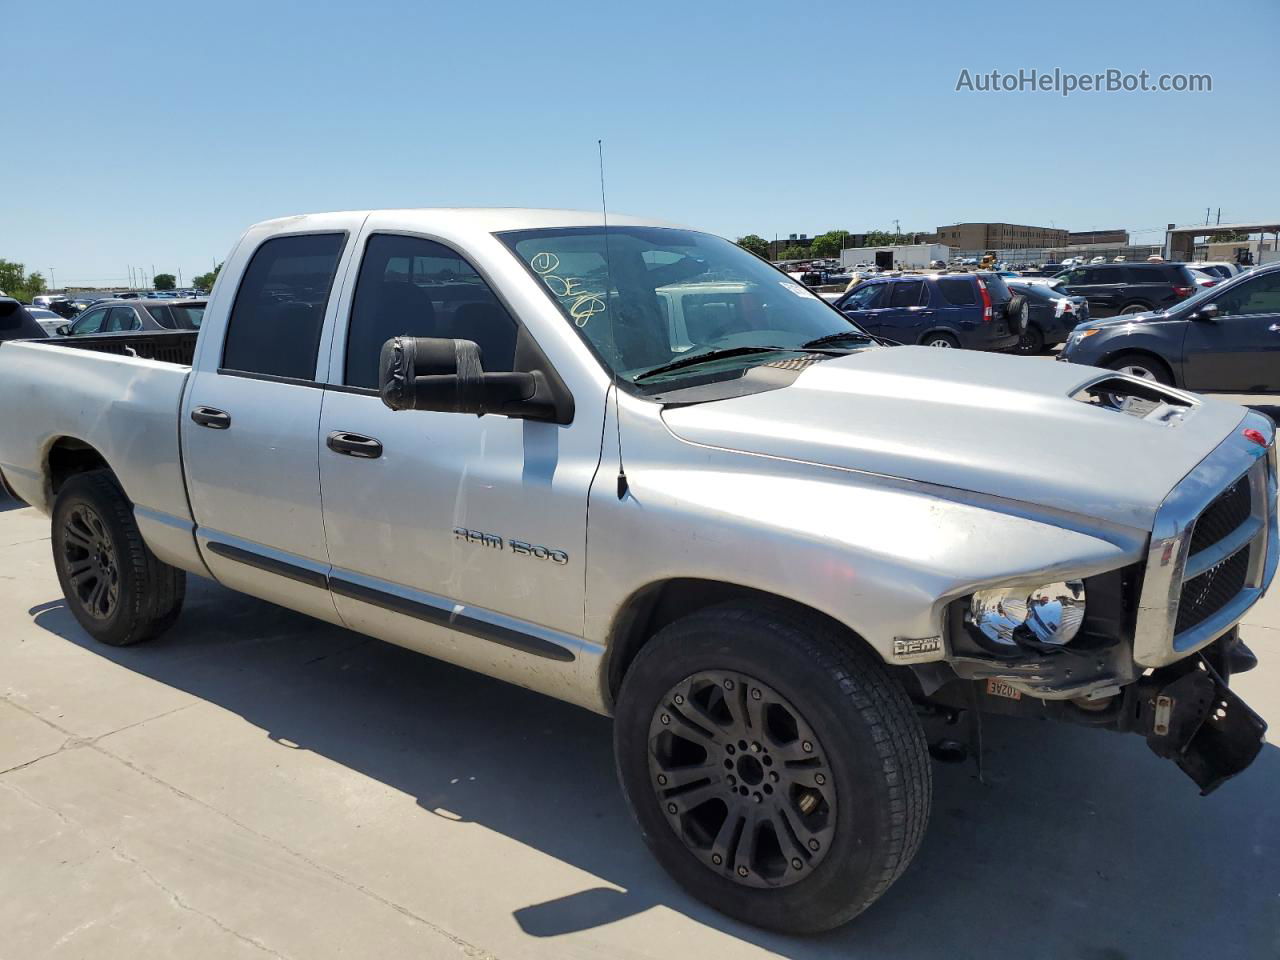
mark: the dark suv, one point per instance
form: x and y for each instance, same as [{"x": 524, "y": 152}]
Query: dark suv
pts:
[
  {"x": 1225, "y": 338},
  {"x": 1115, "y": 288},
  {"x": 948, "y": 310}
]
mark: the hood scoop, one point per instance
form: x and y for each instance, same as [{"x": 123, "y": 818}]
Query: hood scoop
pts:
[{"x": 1144, "y": 399}]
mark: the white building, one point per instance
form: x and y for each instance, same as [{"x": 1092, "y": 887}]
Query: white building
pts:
[{"x": 911, "y": 255}]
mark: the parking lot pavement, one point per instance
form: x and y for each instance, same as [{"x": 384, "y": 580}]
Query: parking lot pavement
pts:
[{"x": 256, "y": 783}]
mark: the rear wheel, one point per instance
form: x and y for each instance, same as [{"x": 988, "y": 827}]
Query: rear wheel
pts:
[
  {"x": 944, "y": 340},
  {"x": 1031, "y": 343},
  {"x": 114, "y": 585},
  {"x": 1135, "y": 308},
  {"x": 775, "y": 768}
]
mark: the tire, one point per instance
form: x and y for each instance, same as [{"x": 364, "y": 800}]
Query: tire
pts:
[
  {"x": 114, "y": 585},
  {"x": 1018, "y": 312},
  {"x": 1142, "y": 365},
  {"x": 1031, "y": 343},
  {"x": 861, "y": 794},
  {"x": 944, "y": 340},
  {"x": 1130, "y": 308}
]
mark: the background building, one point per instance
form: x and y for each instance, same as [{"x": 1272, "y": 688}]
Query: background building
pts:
[
  {"x": 998, "y": 236},
  {"x": 1115, "y": 237}
]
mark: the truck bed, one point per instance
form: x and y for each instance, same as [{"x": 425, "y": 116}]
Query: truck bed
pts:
[{"x": 116, "y": 395}]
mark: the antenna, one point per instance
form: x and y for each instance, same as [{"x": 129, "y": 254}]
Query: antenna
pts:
[{"x": 613, "y": 329}]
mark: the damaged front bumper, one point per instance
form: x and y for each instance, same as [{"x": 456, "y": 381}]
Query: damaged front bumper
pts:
[{"x": 1186, "y": 712}]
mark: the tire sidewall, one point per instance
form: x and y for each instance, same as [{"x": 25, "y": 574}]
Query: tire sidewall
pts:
[
  {"x": 852, "y": 870},
  {"x": 95, "y": 492}
]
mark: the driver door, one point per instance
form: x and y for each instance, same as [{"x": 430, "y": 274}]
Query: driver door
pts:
[
  {"x": 864, "y": 305},
  {"x": 460, "y": 536},
  {"x": 1239, "y": 350}
]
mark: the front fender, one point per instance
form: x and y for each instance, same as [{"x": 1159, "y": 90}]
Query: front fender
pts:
[{"x": 880, "y": 555}]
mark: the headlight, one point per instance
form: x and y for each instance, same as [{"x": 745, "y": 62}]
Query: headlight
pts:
[
  {"x": 1050, "y": 614},
  {"x": 1078, "y": 335}
]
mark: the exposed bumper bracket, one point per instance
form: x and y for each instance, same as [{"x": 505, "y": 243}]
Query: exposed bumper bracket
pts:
[{"x": 1196, "y": 721}]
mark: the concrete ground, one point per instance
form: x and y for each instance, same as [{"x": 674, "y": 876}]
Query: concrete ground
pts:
[{"x": 258, "y": 784}]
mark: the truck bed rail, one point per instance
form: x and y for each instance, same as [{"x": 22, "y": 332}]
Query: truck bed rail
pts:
[{"x": 167, "y": 346}]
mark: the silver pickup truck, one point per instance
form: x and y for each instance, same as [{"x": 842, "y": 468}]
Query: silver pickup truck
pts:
[{"x": 636, "y": 468}]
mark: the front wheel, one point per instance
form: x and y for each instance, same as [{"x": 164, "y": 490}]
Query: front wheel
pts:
[
  {"x": 115, "y": 586},
  {"x": 943, "y": 340},
  {"x": 776, "y": 769}
]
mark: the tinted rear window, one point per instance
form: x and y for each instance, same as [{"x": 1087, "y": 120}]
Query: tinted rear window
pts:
[
  {"x": 958, "y": 291},
  {"x": 275, "y": 322},
  {"x": 160, "y": 315},
  {"x": 906, "y": 293}
]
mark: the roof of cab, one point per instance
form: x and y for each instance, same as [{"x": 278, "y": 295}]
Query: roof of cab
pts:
[{"x": 484, "y": 219}]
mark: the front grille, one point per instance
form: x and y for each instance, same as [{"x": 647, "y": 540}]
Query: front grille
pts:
[
  {"x": 1231, "y": 508},
  {"x": 1205, "y": 595}
]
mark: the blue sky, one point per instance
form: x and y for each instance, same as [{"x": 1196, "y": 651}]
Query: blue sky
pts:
[{"x": 153, "y": 133}]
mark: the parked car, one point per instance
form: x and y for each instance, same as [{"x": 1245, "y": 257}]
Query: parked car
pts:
[
  {"x": 937, "y": 264},
  {"x": 49, "y": 320},
  {"x": 1203, "y": 278},
  {"x": 970, "y": 310},
  {"x": 1219, "y": 268},
  {"x": 1120, "y": 288},
  {"x": 119, "y": 316},
  {"x": 16, "y": 323},
  {"x": 777, "y": 553},
  {"x": 46, "y": 300},
  {"x": 1047, "y": 315},
  {"x": 1224, "y": 339}
]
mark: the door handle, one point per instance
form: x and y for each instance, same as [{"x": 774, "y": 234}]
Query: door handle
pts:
[
  {"x": 354, "y": 445},
  {"x": 211, "y": 417}
]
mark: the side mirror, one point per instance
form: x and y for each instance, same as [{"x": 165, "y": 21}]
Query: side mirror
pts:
[
  {"x": 1207, "y": 313},
  {"x": 63, "y": 330},
  {"x": 435, "y": 373}
]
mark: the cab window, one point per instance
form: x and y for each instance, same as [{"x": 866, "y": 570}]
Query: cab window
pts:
[{"x": 411, "y": 287}]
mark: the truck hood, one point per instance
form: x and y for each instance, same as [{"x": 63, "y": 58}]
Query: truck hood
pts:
[{"x": 988, "y": 423}]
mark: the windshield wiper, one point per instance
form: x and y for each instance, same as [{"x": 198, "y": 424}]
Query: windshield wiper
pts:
[
  {"x": 718, "y": 354},
  {"x": 837, "y": 337}
]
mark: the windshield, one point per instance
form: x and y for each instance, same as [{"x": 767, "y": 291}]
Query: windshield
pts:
[{"x": 665, "y": 294}]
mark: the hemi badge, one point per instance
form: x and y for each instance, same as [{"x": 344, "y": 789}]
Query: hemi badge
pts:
[{"x": 916, "y": 649}]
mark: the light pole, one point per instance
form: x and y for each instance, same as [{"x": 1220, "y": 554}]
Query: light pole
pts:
[{"x": 52, "y": 284}]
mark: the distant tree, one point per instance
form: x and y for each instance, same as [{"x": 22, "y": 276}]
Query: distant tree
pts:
[
  {"x": 164, "y": 281},
  {"x": 17, "y": 283},
  {"x": 794, "y": 253},
  {"x": 205, "y": 280},
  {"x": 755, "y": 244},
  {"x": 1228, "y": 237},
  {"x": 828, "y": 244}
]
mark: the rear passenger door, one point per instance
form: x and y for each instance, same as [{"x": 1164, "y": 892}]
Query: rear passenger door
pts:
[
  {"x": 903, "y": 316},
  {"x": 121, "y": 320},
  {"x": 252, "y": 413}
]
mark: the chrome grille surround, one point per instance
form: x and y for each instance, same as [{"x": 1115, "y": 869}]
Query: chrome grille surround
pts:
[{"x": 1170, "y": 563}]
